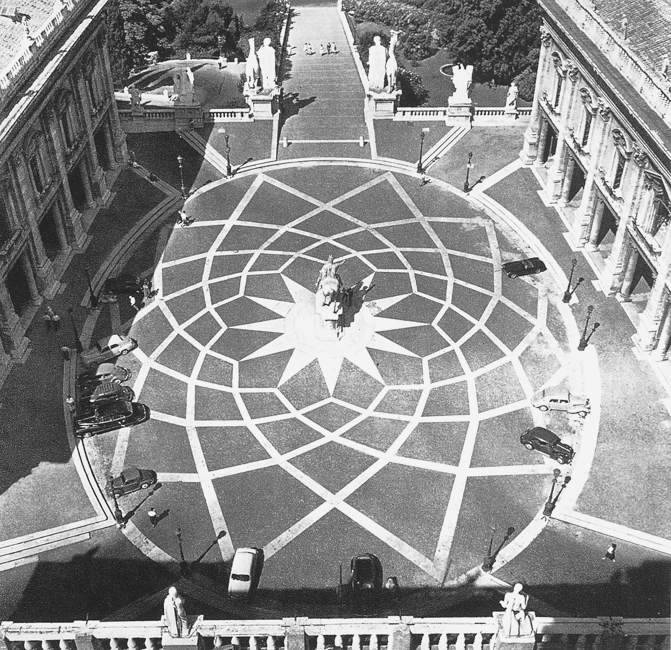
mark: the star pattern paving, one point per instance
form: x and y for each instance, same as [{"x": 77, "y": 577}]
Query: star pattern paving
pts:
[{"x": 420, "y": 401}]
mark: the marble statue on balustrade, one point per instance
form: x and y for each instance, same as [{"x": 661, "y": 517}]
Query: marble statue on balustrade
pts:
[
  {"x": 266, "y": 57},
  {"x": 183, "y": 92},
  {"x": 391, "y": 67},
  {"x": 462, "y": 77},
  {"x": 135, "y": 100},
  {"x": 516, "y": 621},
  {"x": 174, "y": 614},
  {"x": 252, "y": 71},
  {"x": 511, "y": 99},
  {"x": 377, "y": 61}
]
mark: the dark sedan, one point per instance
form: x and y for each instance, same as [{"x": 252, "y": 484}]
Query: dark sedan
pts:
[
  {"x": 528, "y": 266},
  {"x": 124, "y": 283},
  {"x": 366, "y": 574},
  {"x": 130, "y": 480},
  {"x": 110, "y": 417},
  {"x": 548, "y": 443}
]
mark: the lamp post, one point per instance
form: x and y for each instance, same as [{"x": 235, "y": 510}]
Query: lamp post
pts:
[
  {"x": 469, "y": 166},
  {"x": 94, "y": 298},
  {"x": 78, "y": 343},
  {"x": 585, "y": 337},
  {"x": 488, "y": 563},
  {"x": 568, "y": 294},
  {"x": 229, "y": 170},
  {"x": 220, "y": 44},
  {"x": 551, "y": 503},
  {"x": 118, "y": 515},
  {"x": 422, "y": 135},
  {"x": 180, "y": 164}
]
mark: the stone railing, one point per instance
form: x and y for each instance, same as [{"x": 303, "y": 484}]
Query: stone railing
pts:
[
  {"x": 28, "y": 54},
  {"x": 651, "y": 85},
  {"x": 392, "y": 633},
  {"x": 418, "y": 113},
  {"x": 227, "y": 115}
]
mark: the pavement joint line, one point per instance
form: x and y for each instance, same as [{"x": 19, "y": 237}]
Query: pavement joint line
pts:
[
  {"x": 337, "y": 498},
  {"x": 15, "y": 564},
  {"x": 36, "y": 549},
  {"x": 611, "y": 529},
  {"x": 499, "y": 175}
]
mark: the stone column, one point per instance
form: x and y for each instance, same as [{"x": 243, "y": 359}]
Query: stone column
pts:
[
  {"x": 82, "y": 168},
  {"x": 662, "y": 350},
  {"x": 13, "y": 341},
  {"x": 35, "y": 297},
  {"x": 654, "y": 309},
  {"x": 529, "y": 153},
  {"x": 542, "y": 140},
  {"x": 595, "y": 227},
  {"x": 118, "y": 134},
  {"x": 630, "y": 270},
  {"x": 109, "y": 144},
  {"x": 99, "y": 181},
  {"x": 43, "y": 267},
  {"x": 555, "y": 179},
  {"x": 74, "y": 217},
  {"x": 615, "y": 262},
  {"x": 596, "y": 146},
  {"x": 568, "y": 179}
]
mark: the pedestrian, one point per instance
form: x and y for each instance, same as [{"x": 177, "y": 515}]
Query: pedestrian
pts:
[
  {"x": 184, "y": 219},
  {"x": 70, "y": 401},
  {"x": 610, "y": 552},
  {"x": 322, "y": 49},
  {"x": 334, "y": 48},
  {"x": 306, "y": 48},
  {"x": 153, "y": 517},
  {"x": 328, "y": 47},
  {"x": 135, "y": 302},
  {"x": 51, "y": 319}
]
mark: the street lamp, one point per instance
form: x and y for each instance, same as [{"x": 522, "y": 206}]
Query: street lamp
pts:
[
  {"x": 94, "y": 298},
  {"x": 229, "y": 171},
  {"x": 488, "y": 562},
  {"x": 585, "y": 337},
  {"x": 568, "y": 294},
  {"x": 422, "y": 135},
  {"x": 469, "y": 166},
  {"x": 78, "y": 343},
  {"x": 118, "y": 515},
  {"x": 551, "y": 503},
  {"x": 180, "y": 163}
]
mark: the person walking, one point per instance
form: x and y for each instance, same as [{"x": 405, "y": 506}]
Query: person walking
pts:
[
  {"x": 51, "y": 319},
  {"x": 610, "y": 552},
  {"x": 153, "y": 517}
]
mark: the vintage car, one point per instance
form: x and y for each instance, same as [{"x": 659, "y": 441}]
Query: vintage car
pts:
[
  {"x": 130, "y": 480},
  {"x": 108, "y": 348},
  {"x": 109, "y": 417},
  {"x": 557, "y": 398},
  {"x": 528, "y": 266},
  {"x": 245, "y": 572},
  {"x": 548, "y": 443},
  {"x": 366, "y": 574}
]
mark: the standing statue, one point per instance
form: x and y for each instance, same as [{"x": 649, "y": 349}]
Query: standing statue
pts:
[
  {"x": 329, "y": 299},
  {"x": 377, "y": 59},
  {"x": 266, "y": 56},
  {"x": 515, "y": 621},
  {"x": 175, "y": 614},
  {"x": 392, "y": 66},
  {"x": 461, "y": 78},
  {"x": 252, "y": 71},
  {"x": 511, "y": 98},
  {"x": 135, "y": 99}
]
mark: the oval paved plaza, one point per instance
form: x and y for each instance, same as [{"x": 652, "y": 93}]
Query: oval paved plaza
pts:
[{"x": 402, "y": 437}]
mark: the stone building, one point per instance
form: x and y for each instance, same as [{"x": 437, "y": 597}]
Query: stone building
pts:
[
  {"x": 60, "y": 149},
  {"x": 600, "y": 143}
]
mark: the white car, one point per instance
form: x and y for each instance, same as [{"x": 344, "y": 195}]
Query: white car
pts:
[
  {"x": 108, "y": 348},
  {"x": 556, "y": 398},
  {"x": 245, "y": 572}
]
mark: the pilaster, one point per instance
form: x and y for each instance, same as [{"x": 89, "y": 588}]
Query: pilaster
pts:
[
  {"x": 568, "y": 179},
  {"x": 118, "y": 134},
  {"x": 654, "y": 309}
]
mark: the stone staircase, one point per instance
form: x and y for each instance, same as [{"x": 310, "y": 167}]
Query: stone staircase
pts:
[{"x": 323, "y": 102}]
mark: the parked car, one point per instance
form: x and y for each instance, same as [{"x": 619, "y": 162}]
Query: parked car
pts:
[
  {"x": 557, "y": 398},
  {"x": 105, "y": 372},
  {"x": 547, "y": 442},
  {"x": 105, "y": 393},
  {"x": 528, "y": 266},
  {"x": 107, "y": 348},
  {"x": 130, "y": 480},
  {"x": 109, "y": 417},
  {"x": 124, "y": 283},
  {"x": 245, "y": 572},
  {"x": 366, "y": 573}
]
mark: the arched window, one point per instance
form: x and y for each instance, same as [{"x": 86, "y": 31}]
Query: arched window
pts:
[
  {"x": 622, "y": 153},
  {"x": 587, "y": 116},
  {"x": 38, "y": 164}
]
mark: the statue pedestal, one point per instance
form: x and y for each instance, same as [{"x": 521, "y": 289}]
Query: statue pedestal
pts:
[
  {"x": 262, "y": 104},
  {"x": 526, "y": 640},
  {"x": 460, "y": 112},
  {"x": 383, "y": 104}
]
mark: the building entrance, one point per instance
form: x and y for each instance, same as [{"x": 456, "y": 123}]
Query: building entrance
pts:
[
  {"x": 49, "y": 235},
  {"x": 77, "y": 189},
  {"x": 17, "y": 285}
]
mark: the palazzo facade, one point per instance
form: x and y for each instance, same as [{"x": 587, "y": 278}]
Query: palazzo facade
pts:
[
  {"x": 61, "y": 146},
  {"x": 600, "y": 142}
]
